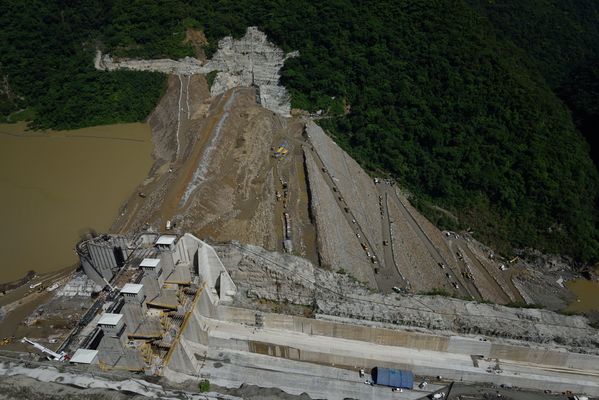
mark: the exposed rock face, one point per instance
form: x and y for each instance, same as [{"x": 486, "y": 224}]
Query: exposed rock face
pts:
[
  {"x": 263, "y": 275},
  {"x": 249, "y": 61},
  {"x": 22, "y": 380},
  {"x": 185, "y": 66}
]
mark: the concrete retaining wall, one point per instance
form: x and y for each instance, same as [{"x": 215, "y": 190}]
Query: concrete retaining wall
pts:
[
  {"x": 415, "y": 340},
  {"x": 197, "y": 332}
]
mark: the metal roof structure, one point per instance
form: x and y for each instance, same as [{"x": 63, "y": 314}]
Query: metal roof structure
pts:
[
  {"x": 110, "y": 319},
  {"x": 132, "y": 288},
  {"x": 84, "y": 356},
  {"x": 149, "y": 262},
  {"x": 166, "y": 239}
]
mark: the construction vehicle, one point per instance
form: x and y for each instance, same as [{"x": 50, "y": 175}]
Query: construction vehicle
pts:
[
  {"x": 5, "y": 341},
  {"x": 51, "y": 355},
  {"x": 281, "y": 151}
]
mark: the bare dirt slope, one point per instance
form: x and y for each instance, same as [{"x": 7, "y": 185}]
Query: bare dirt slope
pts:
[
  {"x": 174, "y": 121},
  {"x": 216, "y": 175}
]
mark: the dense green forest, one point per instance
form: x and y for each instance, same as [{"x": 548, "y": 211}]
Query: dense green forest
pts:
[
  {"x": 561, "y": 39},
  {"x": 445, "y": 95},
  {"x": 46, "y": 64}
]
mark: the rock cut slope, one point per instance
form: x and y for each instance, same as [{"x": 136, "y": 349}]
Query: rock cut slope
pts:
[
  {"x": 249, "y": 61},
  {"x": 263, "y": 276}
]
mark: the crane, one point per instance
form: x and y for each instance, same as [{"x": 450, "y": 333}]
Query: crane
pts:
[{"x": 49, "y": 353}]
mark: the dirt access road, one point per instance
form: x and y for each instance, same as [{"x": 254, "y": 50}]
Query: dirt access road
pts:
[
  {"x": 385, "y": 281},
  {"x": 448, "y": 273}
]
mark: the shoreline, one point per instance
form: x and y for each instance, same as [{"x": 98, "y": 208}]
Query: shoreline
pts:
[{"x": 15, "y": 284}]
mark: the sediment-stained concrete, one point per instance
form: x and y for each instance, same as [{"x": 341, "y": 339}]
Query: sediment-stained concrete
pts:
[{"x": 335, "y": 343}]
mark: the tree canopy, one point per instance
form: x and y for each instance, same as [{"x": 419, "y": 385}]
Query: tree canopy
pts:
[{"x": 454, "y": 98}]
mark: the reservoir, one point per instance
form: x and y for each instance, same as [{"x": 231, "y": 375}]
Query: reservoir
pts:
[
  {"x": 55, "y": 186},
  {"x": 586, "y": 293}
]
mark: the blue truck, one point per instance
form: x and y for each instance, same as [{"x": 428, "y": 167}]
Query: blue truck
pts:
[{"x": 392, "y": 377}]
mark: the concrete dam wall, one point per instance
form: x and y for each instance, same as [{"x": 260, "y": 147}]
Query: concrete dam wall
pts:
[{"x": 220, "y": 326}]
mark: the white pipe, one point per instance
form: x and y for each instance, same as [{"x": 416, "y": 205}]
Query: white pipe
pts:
[
  {"x": 45, "y": 350},
  {"x": 179, "y": 113},
  {"x": 187, "y": 95}
]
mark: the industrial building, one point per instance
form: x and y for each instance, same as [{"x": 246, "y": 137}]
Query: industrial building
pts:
[
  {"x": 151, "y": 283},
  {"x": 101, "y": 257}
]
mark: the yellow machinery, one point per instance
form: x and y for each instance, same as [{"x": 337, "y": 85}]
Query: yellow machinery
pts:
[{"x": 281, "y": 151}]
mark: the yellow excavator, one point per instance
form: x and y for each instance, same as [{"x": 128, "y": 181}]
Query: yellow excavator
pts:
[{"x": 281, "y": 152}]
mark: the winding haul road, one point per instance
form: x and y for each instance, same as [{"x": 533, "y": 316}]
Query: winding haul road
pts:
[{"x": 454, "y": 278}]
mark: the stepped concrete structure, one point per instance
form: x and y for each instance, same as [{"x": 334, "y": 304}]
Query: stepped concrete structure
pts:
[
  {"x": 291, "y": 341},
  {"x": 102, "y": 256},
  {"x": 147, "y": 301},
  {"x": 196, "y": 325}
]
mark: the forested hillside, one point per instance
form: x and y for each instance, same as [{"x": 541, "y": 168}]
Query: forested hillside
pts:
[
  {"x": 46, "y": 63},
  {"x": 561, "y": 38},
  {"x": 439, "y": 96}
]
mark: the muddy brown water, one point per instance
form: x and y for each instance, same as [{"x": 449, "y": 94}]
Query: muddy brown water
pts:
[
  {"x": 587, "y": 295},
  {"x": 56, "y": 185}
]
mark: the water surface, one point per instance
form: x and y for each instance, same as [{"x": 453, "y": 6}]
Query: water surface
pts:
[
  {"x": 587, "y": 295},
  {"x": 56, "y": 185}
]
